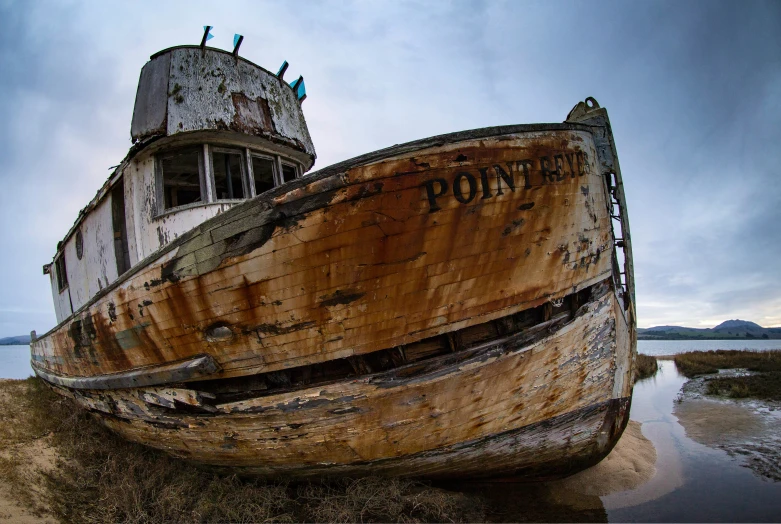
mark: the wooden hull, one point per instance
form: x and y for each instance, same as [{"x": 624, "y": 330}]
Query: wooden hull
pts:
[
  {"x": 511, "y": 408},
  {"x": 467, "y": 281}
]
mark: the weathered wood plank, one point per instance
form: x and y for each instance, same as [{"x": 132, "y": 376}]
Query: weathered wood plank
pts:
[{"x": 197, "y": 367}]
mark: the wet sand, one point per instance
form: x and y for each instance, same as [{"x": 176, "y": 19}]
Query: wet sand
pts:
[{"x": 631, "y": 464}]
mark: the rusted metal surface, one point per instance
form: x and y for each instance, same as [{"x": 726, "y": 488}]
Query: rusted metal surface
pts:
[
  {"x": 370, "y": 258},
  {"x": 187, "y": 89},
  {"x": 511, "y": 408}
]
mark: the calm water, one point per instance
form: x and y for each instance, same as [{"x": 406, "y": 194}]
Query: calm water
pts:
[
  {"x": 693, "y": 482},
  {"x": 15, "y": 362},
  {"x": 672, "y": 347}
]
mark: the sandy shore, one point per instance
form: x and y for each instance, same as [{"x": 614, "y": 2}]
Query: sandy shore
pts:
[
  {"x": 628, "y": 466},
  {"x": 24, "y": 458}
]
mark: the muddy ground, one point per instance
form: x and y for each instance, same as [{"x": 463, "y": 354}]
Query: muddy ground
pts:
[{"x": 748, "y": 429}]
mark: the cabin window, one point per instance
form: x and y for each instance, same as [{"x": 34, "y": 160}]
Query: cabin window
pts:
[
  {"x": 208, "y": 173},
  {"x": 262, "y": 173},
  {"x": 181, "y": 177},
  {"x": 289, "y": 172},
  {"x": 62, "y": 275},
  {"x": 228, "y": 169}
]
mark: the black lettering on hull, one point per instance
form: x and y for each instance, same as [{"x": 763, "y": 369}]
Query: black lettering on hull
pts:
[
  {"x": 553, "y": 169},
  {"x": 432, "y": 195},
  {"x": 457, "y": 190}
]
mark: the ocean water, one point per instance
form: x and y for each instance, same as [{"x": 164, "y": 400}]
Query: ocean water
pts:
[
  {"x": 15, "y": 362},
  {"x": 656, "y": 348}
]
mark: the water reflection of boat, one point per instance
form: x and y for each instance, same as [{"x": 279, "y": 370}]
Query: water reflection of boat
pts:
[{"x": 454, "y": 306}]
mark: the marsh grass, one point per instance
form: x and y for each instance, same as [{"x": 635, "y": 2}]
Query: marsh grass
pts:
[
  {"x": 102, "y": 478},
  {"x": 766, "y": 386},
  {"x": 646, "y": 367},
  {"x": 765, "y": 383},
  {"x": 696, "y": 363}
]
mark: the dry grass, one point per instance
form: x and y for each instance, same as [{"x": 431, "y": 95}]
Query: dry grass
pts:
[
  {"x": 704, "y": 362},
  {"x": 384, "y": 500},
  {"x": 24, "y": 415},
  {"x": 103, "y": 478},
  {"x": 645, "y": 367}
]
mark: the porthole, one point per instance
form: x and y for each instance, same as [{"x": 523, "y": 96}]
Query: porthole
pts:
[{"x": 79, "y": 245}]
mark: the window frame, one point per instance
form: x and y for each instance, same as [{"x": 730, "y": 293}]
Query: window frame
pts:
[
  {"x": 60, "y": 267},
  {"x": 207, "y": 182},
  {"x": 160, "y": 208},
  {"x": 243, "y": 165},
  {"x": 283, "y": 163},
  {"x": 274, "y": 168}
]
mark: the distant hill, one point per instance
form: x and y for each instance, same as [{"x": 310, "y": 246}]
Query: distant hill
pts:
[
  {"x": 21, "y": 340},
  {"x": 730, "y": 329}
]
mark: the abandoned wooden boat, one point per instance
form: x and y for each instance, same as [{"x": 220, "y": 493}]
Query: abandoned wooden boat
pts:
[{"x": 460, "y": 305}]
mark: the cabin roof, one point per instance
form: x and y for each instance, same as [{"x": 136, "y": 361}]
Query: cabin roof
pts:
[
  {"x": 189, "y": 88},
  {"x": 241, "y": 96}
]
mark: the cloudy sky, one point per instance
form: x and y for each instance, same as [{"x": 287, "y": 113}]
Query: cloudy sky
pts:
[{"x": 693, "y": 89}]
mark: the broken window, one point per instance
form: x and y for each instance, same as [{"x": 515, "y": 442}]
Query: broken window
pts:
[
  {"x": 181, "y": 177},
  {"x": 121, "y": 247},
  {"x": 62, "y": 275},
  {"x": 289, "y": 172},
  {"x": 228, "y": 172},
  {"x": 263, "y": 173}
]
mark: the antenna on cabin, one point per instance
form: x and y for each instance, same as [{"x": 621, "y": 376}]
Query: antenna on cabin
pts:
[
  {"x": 237, "y": 40},
  {"x": 206, "y": 35},
  {"x": 299, "y": 88},
  {"x": 282, "y": 69}
]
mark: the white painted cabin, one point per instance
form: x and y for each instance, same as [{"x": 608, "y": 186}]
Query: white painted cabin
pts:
[{"x": 210, "y": 130}]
